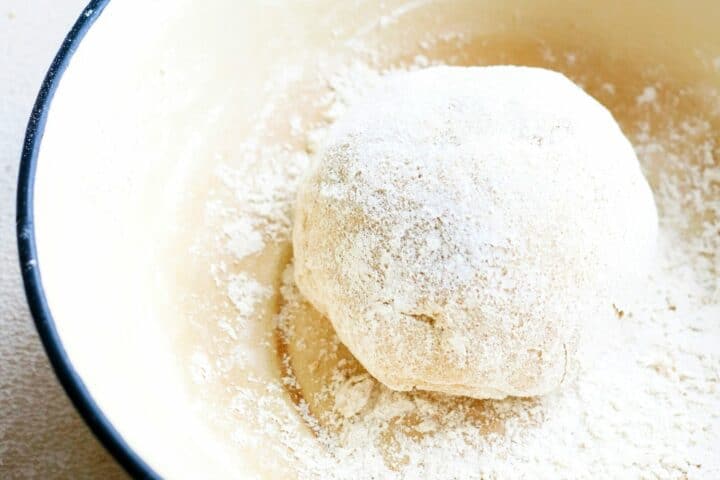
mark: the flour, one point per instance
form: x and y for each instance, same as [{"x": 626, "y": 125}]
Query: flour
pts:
[
  {"x": 200, "y": 368},
  {"x": 244, "y": 239},
  {"x": 264, "y": 186},
  {"x": 648, "y": 407},
  {"x": 648, "y": 95},
  {"x": 244, "y": 292},
  {"x": 353, "y": 395}
]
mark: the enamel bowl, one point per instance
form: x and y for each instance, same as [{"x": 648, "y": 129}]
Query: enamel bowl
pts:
[{"x": 141, "y": 105}]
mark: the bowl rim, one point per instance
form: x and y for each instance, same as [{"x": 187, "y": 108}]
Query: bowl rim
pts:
[{"x": 30, "y": 268}]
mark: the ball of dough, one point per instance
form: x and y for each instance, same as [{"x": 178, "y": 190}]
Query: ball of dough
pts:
[{"x": 462, "y": 223}]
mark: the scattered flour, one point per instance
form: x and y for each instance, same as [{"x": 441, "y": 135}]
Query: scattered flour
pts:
[
  {"x": 353, "y": 395},
  {"x": 245, "y": 293},
  {"x": 648, "y": 95},
  {"x": 243, "y": 238},
  {"x": 649, "y": 407},
  {"x": 201, "y": 369}
]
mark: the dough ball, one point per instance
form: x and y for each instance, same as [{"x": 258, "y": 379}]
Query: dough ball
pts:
[{"x": 462, "y": 224}]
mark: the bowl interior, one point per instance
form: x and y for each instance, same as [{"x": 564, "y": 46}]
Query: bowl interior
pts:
[{"x": 160, "y": 96}]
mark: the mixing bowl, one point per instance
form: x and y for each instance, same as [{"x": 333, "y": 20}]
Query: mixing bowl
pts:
[{"x": 144, "y": 104}]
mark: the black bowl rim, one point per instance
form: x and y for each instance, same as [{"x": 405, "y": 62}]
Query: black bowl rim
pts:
[{"x": 29, "y": 266}]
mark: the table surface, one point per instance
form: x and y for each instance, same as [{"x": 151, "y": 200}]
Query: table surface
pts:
[{"x": 41, "y": 434}]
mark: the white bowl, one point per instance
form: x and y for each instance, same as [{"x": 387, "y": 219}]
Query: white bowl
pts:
[{"x": 122, "y": 141}]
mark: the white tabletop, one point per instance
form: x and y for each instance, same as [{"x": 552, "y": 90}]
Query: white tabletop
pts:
[{"x": 41, "y": 434}]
